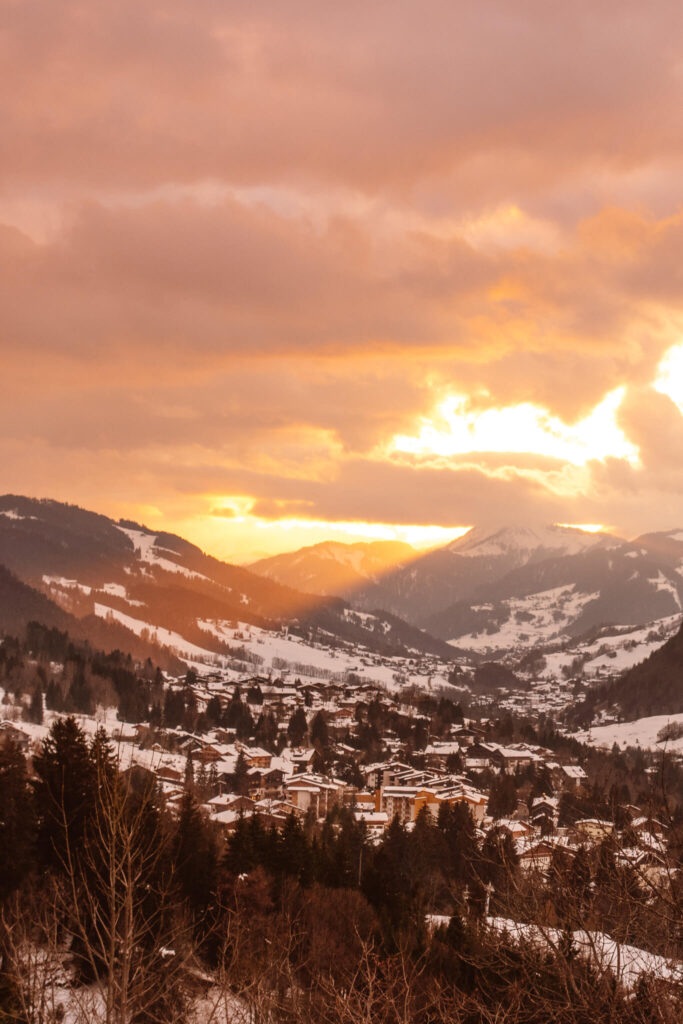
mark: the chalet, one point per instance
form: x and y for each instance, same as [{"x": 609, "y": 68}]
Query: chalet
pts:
[
  {"x": 224, "y": 735},
  {"x": 594, "y": 828},
  {"x": 544, "y": 807},
  {"x": 167, "y": 773},
  {"x": 301, "y": 759},
  {"x": 511, "y": 758},
  {"x": 649, "y": 863},
  {"x": 10, "y": 732},
  {"x": 535, "y": 855},
  {"x": 265, "y": 782},
  {"x": 255, "y": 757},
  {"x": 517, "y": 829},
  {"x": 230, "y": 802},
  {"x": 436, "y": 754},
  {"x": 572, "y": 776},
  {"x": 375, "y": 821},
  {"x": 466, "y": 736},
  {"x": 208, "y": 754}
]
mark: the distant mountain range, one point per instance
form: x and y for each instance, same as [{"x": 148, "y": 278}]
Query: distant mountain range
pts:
[
  {"x": 161, "y": 588},
  {"x": 494, "y": 591}
]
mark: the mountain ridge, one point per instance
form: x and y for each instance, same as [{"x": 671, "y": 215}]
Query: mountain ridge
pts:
[{"x": 163, "y": 585}]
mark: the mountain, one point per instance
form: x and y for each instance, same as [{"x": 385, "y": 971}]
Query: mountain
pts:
[
  {"x": 616, "y": 583},
  {"x": 21, "y": 604},
  {"x": 335, "y": 568},
  {"x": 419, "y": 586},
  {"x": 506, "y": 590},
  {"x": 654, "y": 686},
  {"x": 166, "y": 590},
  {"x": 666, "y": 545}
]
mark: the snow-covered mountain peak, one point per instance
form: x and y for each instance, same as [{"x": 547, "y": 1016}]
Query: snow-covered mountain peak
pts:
[{"x": 523, "y": 540}]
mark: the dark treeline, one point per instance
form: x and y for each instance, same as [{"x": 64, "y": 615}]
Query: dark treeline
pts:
[{"x": 75, "y": 678}]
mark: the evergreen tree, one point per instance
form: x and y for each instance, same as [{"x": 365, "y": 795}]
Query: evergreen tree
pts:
[
  {"x": 502, "y": 796},
  {"x": 255, "y": 694},
  {"x": 35, "y": 710},
  {"x": 17, "y": 819},
  {"x": 265, "y": 733},
  {"x": 188, "y": 781},
  {"x": 53, "y": 697},
  {"x": 245, "y": 725},
  {"x": 174, "y": 706},
  {"x": 103, "y": 758},
  {"x": 64, "y": 790},
  {"x": 214, "y": 711},
  {"x": 234, "y": 710},
  {"x": 297, "y": 728},
  {"x": 240, "y": 777},
  {"x": 457, "y": 824},
  {"x": 194, "y": 854},
  {"x": 319, "y": 734}
]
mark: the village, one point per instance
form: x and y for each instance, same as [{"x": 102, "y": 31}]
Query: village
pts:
[{"x": 274, "y": 748}]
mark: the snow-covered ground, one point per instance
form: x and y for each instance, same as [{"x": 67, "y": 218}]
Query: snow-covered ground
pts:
[
  {"x": 615, "y": 652},
  {"x": 628, "y": 963},
  {"x": 145, "y": 545},
  {"x": 317, "y": 660},
  {"x": 531, "y": 621},
  {"x": 166, "y": 637},
  {"x": 641, "y": 733}
]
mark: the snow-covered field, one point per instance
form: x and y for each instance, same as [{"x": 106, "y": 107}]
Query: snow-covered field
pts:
[
  {"x": 537, "y": 619},
  {"x": 162, "y": 636},
  {"x": 641, "y": 733},
  {"x": 145, "y": 545},
  {"x": 628, "y": 963},
  {"x": 318, "y": 661},
  {"x": 615, "y": 652}
]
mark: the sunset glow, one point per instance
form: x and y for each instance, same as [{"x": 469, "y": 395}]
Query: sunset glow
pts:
[
  {"x": 365, "y": 271},
  {"x": 522, "y": 428},
  {"x": 586, "y": 527},
  {"x": 669, "y": 380}
]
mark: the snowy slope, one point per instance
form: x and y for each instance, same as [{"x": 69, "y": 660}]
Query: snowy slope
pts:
[
  {"x": 643, "y": 732},
  {"x": 524, "y": 542}
]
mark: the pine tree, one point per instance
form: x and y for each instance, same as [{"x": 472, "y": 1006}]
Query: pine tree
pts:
[
  {"x": 214, "y": 711},
  {"x": 17, "y": 819},
  {"x": 265, "y": 733},
  {"x": 194, "y": 854},
  {"x": 234, "y": 710},
  {"x": 297, "y": 728},
  {"x": 64, "y": 790},
  {"x": 502, "y": 796},
  {"x": 240, "y": 777},
  {"x": 319, "y": 733},
  {"x": 188, "y": 781},
  {"x": 35, "y": 710}
]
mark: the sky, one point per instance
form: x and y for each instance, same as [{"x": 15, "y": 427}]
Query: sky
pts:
[{"x": 280, "y": 272}]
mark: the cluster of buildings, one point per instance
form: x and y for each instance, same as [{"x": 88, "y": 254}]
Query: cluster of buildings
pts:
[{"x": 235, "y": 779}]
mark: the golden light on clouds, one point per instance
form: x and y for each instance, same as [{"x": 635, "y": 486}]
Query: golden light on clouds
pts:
[
  {"x": 669, "y": 380},
  {"x": 237, "y": 512},
  {"x": 524, "y": 428},
  {"x": 268, "y": 307},
  {"x": 585, "y": 527}
]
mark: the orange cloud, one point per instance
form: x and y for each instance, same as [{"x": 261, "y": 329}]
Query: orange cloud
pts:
[{"x": 246, "y": 246}]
